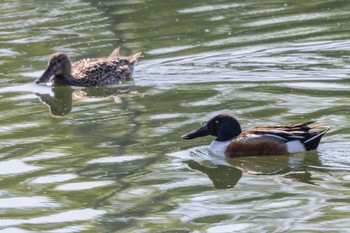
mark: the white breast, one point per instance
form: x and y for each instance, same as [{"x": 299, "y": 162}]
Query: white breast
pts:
[
  {"x": 295, "y": 146},
  {"x": 218, "y": 147}
]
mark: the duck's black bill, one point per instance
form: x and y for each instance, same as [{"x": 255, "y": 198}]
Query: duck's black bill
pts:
[
  {"x": 45, "y": 77},
  {"x": 201, "y": 132}
]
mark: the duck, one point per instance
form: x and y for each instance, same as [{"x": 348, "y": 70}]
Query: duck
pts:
[
  {"x": 280, "y": 139},
  {"x": 88, "y": 72}
]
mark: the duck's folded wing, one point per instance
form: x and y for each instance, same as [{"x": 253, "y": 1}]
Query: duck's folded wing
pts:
[
  {"x": 303, "y": 127},
  {"x": 282, "y": 135},
  {"x": 290, "y": 132}
]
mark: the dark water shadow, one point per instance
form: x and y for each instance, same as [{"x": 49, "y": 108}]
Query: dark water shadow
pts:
[
  {"x": 61, "y": 102},
  {"x": 226, "y": 173},
  {"x": 222, "y": 176},
  {"x": 296, "y": 167}
]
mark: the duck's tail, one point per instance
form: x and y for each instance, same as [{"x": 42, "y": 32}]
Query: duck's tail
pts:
[
  {"x": 135, "y": 57},
  {"x": 115, "y": 54},
  {"x": 312, "y": 142}
]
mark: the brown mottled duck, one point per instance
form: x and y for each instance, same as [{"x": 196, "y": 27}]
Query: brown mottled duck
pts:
[{"x": 88, "y": 72}]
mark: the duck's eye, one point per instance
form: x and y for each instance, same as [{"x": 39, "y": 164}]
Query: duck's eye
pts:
[
  {"x": 217, "y": 122},
  {"x": 56, "y": 61}
]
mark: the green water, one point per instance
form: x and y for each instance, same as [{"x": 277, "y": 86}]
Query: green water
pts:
[{"x": 112, "y": 160}]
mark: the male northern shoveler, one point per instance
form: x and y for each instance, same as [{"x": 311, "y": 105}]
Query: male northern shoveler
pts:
[
  {"x": 260, "y": 140},
  {"x": 88, "y": 72}
]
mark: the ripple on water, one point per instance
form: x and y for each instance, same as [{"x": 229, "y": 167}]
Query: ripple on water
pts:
[
  {"x": 230, "y": 227},
  {"x": 15, "y": 167},
  {"x": 267, "y": 63},
  {"x": 27, "y": 202},
  {"x": 69, "y": 229},
  {"x": 208, "y": 8},
  {"x": 56, "y": 178},
  {"x": 117, "y": 159},
  {"x": 83, "y": 185},
  {"x": 62, "y": 217}
]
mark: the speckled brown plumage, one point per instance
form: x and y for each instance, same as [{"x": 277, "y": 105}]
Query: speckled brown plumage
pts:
[{"x": 88, "y": 72}]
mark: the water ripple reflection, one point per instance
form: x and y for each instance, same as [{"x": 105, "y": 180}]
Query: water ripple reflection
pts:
[
  {"x": 66, "y": 216},
  {"x": 26, "y": 202},
  {"x": 111, "y": 159}
]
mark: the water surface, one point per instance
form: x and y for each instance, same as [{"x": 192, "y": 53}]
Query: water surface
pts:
[{"x": 111, "y": 159}]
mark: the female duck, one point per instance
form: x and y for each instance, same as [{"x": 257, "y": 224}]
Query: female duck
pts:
[
  {"x": 260, "y": 140},
  {"x": 88, "y": 72}
]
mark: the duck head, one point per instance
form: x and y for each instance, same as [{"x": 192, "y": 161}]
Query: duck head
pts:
[
  {"x": 223, "y": 126},
  {"x": 58, "y": 65}
]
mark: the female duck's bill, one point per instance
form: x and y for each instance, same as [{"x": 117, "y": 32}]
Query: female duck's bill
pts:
[
  {"x": 260, "y": 140},
  {"x": 88, "y": 72}
]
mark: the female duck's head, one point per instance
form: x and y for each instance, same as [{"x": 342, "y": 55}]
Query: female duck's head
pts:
[{"x": 58, "y": 65}]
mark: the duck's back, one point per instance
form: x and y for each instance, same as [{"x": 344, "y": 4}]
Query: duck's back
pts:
[
  {"x": 276, "y": 140},
  {"x": 93, "y": 72}
]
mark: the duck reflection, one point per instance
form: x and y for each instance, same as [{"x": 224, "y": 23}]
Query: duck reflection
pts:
[
  {"x": 297, "y": 167},
  {"x": 226, "y": 173},
  {"x": 60, "y": 103},
  {"x": 222, "y": 176}
]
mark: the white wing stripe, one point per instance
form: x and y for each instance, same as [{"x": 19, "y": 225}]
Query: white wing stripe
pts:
[
  {"x": 316, "y": 136},
  {"x": 275, "y": 136}
]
